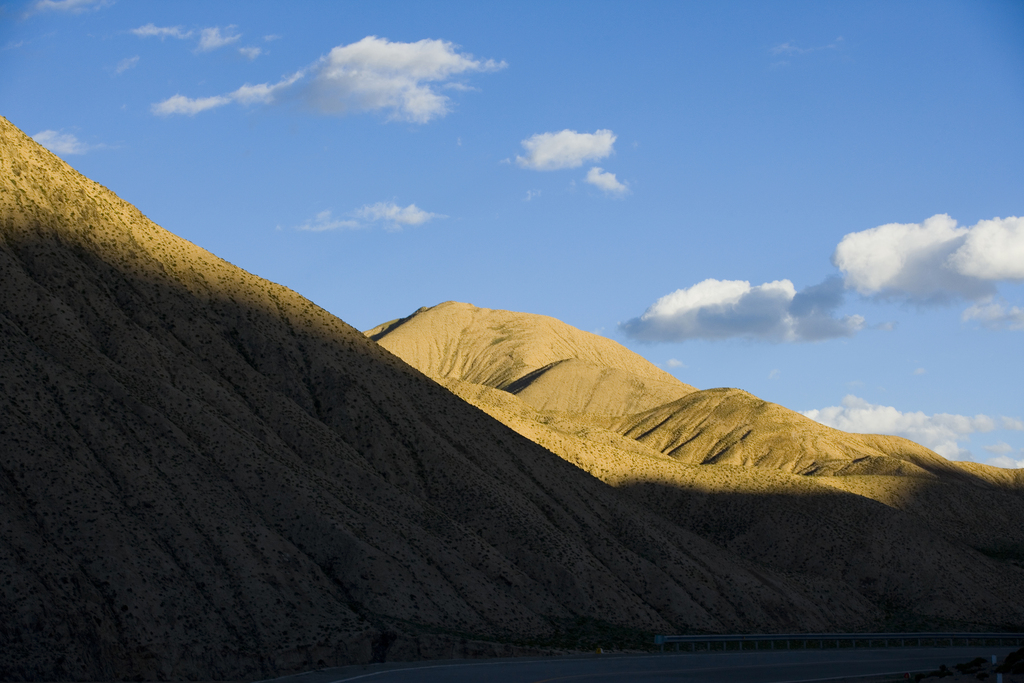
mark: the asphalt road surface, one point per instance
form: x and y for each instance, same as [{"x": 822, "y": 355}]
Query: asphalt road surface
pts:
[{"x": 720, "y": 667}]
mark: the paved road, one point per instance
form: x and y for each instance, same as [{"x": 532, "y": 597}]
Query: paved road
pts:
[{"x": 721, "y": 667}]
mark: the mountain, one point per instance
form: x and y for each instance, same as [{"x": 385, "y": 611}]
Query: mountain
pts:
[
  {"x": 205, "y": 476},
  {"x": 548, "y": 364},
  {"x": 913, "y": 537}
]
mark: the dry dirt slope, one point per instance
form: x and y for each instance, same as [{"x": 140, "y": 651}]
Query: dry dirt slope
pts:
[
  {"x": 548, "y": 364},
  {"x": 204, "y": 475},
  {"x": 734, "y": 469}
]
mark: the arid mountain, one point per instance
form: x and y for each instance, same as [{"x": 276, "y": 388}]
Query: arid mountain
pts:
[
  {"x": 203, "y": 475},
  {"x": 548, "y": 364},
  {"x": 911, "y": 537},
  {"x": 732, "y": 427}
]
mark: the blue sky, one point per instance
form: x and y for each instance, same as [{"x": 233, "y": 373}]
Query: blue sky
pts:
[{"x": 814, "y": 202}]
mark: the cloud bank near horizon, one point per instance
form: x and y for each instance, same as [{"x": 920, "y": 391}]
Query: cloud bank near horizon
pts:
[
  {"x": 934, "y": 262},
  {"x": 940, "y": 432}
]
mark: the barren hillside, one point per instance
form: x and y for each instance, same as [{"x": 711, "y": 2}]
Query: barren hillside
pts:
[
  {"x": 736, "y": 470},
  {"x": 548, "y": 364},
  {"x": 203, "y": 475}
]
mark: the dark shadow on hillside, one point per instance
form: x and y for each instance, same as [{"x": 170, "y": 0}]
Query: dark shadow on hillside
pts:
[{"x": 845, "y": 542}]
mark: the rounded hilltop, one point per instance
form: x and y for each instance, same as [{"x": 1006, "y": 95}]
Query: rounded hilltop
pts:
[{"x": 547, "y": 363}]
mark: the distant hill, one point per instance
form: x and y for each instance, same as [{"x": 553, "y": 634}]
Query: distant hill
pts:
[
  {"x": 548, "y": 364},
  {"x": 759, "y": 479},
  {"x": 205, "y": 476}
]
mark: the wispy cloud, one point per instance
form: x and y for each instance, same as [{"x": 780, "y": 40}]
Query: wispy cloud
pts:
[
  {"x": 372, "y": 74},
  {"x": 940, "y": 432},
  {"x": 606, "y": 182},
  {"x": 211, "y": 38},
  {"x": 73, "y": 6},
  {"x": 179, "y": 104},
  {"x": 395, "y": 217},
  {"x": 995, "y": 315},
  {"x": 161, "y": 32},
  {"x": 63, "y": 143},
  {"x": 250, "y": 52},
  {"x": 389, "y": 215},
  {"x": 324, "y": 221},
  {"x": 248, "y": 94},
  {"x": 791, "y": 48},
  {"x": 1000, "y": 448},
  {"x": 1008, "y": 462},
  {"x": 125, "y": 64},
  {"x": 565, "y": 149}
]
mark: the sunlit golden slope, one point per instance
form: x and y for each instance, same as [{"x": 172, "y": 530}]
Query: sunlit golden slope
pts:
[
  {"x": 900, "y": 528},
  {"x": 557, "y": 369},
  {"x": 732, "y": 427},
  {"x": 548, "y": 364}
]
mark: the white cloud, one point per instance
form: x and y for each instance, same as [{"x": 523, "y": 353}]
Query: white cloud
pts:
[
  {"x": 179, "y": 104},
  {"x": 933, "y": 261},
  {"x": 394, "y": 216},
  {"x": 530, "y": 195},
  {"x": 674, "y": 363},
  {"x": 565, "y": 149},
  {"x": 271, "y": 37},
  {"x": 920, "y": 371},
  {"x": 719, "y": 309},
  {"x": 62, "y": 143},
  {"x": 370, "y": 75},
  {"x": 774, "y": 374},
  {"x": 125, "y": 64},
  {"x": 211, "y": 38},
  {"x": 791, "y": 48},
  {"x": 607, "y": 182},
  {"x": 995, "y": 315},
  {"x": 375, "y": 74},
  {"x": 1008, "y": 461},
  {"x": 262, "y": 93},
  {"x": 250, "y": 52},
  {"x": 993, "y": 250},
  {"x": 74, "y": 6},
  {"x": 1000, "y": 448},
  {"x": 389, "y": 214},
  {"x": 161, "y": 32},
  {"x": 940, "y": 432},
  {"x": 323, "y": 221}
]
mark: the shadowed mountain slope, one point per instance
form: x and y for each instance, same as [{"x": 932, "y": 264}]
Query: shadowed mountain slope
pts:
[
  {"x": 203, "y": 475},
  {"x": 548, "y": 364}
]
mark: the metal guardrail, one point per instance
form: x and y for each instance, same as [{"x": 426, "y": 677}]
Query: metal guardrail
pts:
[{"x": 837, "y": 640}]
